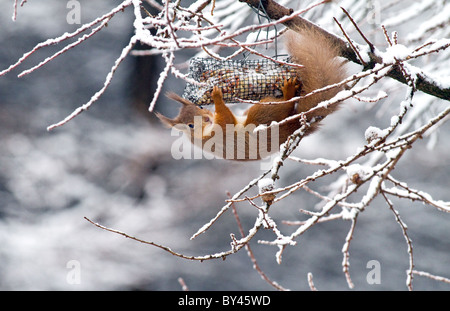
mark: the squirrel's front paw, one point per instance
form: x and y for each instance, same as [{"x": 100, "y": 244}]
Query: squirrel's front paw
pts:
[
  {"x": 290, "y": 87},
  {"x": 216, "y": 93}
]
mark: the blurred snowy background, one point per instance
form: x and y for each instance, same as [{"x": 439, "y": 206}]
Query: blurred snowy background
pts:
[{"x": 112, "y": 164}]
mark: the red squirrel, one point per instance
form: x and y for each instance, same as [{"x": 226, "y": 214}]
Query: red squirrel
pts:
[{"x": 234, "y": 137}]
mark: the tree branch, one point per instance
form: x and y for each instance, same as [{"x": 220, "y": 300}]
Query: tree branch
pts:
[{"x": 276, "y": 11}]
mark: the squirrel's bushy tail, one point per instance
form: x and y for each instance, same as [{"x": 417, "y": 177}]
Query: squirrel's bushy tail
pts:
[{"x": 322, "y": 66}]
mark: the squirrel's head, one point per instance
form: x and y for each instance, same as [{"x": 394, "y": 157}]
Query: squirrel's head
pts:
[{"x": 189, "y": 118}]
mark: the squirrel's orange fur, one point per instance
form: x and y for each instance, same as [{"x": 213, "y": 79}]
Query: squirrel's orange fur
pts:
[{"x": 321, "y": 67}]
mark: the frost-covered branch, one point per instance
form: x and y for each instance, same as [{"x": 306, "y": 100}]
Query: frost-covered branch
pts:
[
  {"x": 252, "y": 256},
  {"x": 431, "y": 276},
  {"x": 409, "y": 272},
  {"x": 100, "y": 20},
  {"x": 424, "y": 81}
]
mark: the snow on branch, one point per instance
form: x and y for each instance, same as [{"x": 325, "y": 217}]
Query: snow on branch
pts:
[{"x": 424, "y": 82}]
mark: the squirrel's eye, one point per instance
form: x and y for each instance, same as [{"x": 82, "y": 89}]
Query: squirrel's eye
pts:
[
  {"x": 191, "y": 125},
  {"x": 206, "y": 119}
]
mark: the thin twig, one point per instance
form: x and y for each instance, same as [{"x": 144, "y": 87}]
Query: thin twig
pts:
[
  {"x": 431, "y": 276},
  {"x": 402, "y": 225},
  {"x": 184, "y": 287},
  {"x": 370, "y": 44},
  {"x": 97, "y": 95},
  {"x": 250, "y": 252},
  {"x": 67, "y": 36},
  {"x": 350, "y": 42},
  {"x": 220, "y": 255},
  {"x": 346, "y": 253},
  {"x": 311, "y": 282}
]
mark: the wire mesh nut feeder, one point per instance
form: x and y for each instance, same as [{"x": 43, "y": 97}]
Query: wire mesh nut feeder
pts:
[{"x": 238, "y": 79}]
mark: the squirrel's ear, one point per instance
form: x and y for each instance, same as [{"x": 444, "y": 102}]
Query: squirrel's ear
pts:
[
  {"x": 166, "y": 121},
  {"x": 179, "y": 99}
]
